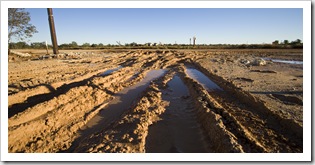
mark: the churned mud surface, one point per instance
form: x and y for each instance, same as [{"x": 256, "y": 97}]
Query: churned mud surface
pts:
[{"x": 156, "y": 101}]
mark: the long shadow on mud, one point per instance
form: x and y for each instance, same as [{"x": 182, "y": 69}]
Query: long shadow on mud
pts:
[
  {"x": 106, "y": 116},
  {"x": 128, "y": 62},
  {"x": 32, "y": 101},
  {"x": 123, "y": 100},
  {"x": 30, "y": 87}
]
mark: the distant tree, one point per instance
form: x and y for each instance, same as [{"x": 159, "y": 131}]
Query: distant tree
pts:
[
  {"x": 100, "y": 45},
  {"x": 19, "y": 45},
  {"x": 73, "y": 44},
  {"x": 38, "y": 45},
  {"x": 86, "y": 44},
  {"x": 18, "y": 24},
  {"x": 94, "y": 45},
  {"x": 64, "y": 46},
  {"x": 286, "y": 42},
  {"x": 296, "y": 42},
  {"x": 276, "y": 42},
  {"x": 133, "y": 44}
]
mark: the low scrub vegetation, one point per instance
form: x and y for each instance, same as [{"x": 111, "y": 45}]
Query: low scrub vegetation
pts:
[{"x": 73, "y": 45}]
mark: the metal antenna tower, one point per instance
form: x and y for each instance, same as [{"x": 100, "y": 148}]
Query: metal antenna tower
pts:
[{"x": 194, "y": 40}]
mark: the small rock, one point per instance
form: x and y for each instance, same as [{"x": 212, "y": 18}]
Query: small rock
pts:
[
  {"x": 245, "y": 61},
  {"x": 107, "y": 147},
  {"x": 130, "y": 139},
  {"x": 214, "y": 60},
  {"x": 259, "y": 62}
]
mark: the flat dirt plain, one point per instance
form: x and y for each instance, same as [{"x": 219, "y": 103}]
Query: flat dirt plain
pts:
[{"x": 158, "y": 101}]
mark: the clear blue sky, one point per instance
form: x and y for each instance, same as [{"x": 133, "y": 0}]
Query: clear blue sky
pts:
[{"x": 142, "y": 25}]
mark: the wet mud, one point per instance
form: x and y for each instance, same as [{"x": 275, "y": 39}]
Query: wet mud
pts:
[
  {"x": 156, "y": 102},
  {"x": 178, "y": 130}
]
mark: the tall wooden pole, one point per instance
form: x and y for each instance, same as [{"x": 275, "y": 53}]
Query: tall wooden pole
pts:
[{"x": 52, "y": 30}]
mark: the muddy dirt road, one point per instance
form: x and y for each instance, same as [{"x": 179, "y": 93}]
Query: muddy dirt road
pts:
[{"x": 157, "y": 101}]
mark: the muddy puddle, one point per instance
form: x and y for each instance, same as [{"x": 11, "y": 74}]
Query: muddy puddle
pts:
[
  {"x": 122, "y": 101},
  {"x": 208, "y": 84},
  {"x": 284, "y": 61},
  {"x": 178, "y": 130},
  {"x": 110, "y": 71}
]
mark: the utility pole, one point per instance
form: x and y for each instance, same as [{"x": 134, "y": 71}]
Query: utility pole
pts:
[{"x": 52, "y": 30}]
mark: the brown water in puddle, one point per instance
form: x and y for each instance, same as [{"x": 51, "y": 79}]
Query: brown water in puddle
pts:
[
  {"x": 110, "y": 71},
  {"x": 123, "y": 100},
  {"x": 284, "y": 61},
  {"x": 208, "y": 84},
  {"x": 178, "y": 130}
]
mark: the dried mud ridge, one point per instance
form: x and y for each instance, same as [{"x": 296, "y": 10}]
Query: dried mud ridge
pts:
[{"x": 161, "y": 118}]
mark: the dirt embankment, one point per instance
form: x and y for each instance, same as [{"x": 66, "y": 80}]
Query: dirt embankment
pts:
[{"x": 259, "y": 108}]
